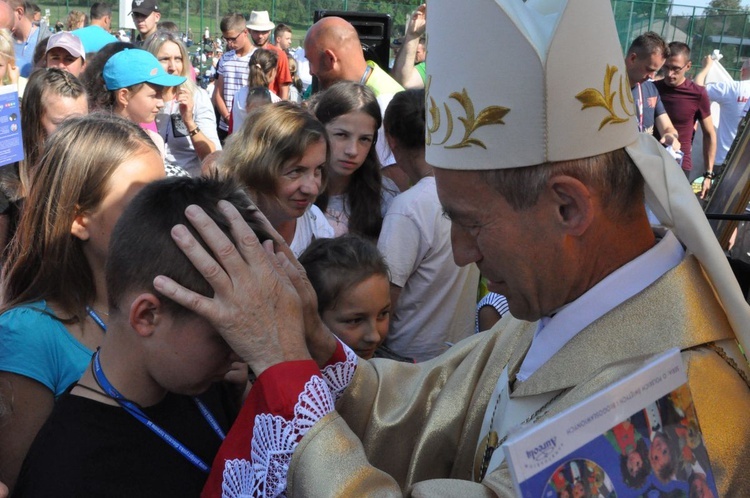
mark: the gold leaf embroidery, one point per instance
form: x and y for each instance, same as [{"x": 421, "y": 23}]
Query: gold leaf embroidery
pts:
[
  {"x": 449, "y": 121},
  {"x": 592, "y": 97},
  {"x": 435, "y": 115},
  {"x": 491, "y": 115}
]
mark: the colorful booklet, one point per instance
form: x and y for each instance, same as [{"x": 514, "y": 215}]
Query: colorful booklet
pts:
[
  {"x": 11, "y": 144},
  {"x": 638, "y": 438}
]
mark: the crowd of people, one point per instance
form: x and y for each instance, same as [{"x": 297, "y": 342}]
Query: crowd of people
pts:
[{"x": 263, "y": 291}]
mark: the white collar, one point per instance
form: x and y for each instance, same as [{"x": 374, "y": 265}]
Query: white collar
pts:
[{"x": 554, "y": 332}]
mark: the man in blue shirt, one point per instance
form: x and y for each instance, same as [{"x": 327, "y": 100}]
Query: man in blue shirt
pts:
[
  {"x": 97, "y": 35},
  {"x": 644, "y": 58},
  {"x": 25, "y": 37}
]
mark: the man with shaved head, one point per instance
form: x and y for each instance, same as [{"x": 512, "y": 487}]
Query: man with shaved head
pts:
[{"x": 335, "y": 53}]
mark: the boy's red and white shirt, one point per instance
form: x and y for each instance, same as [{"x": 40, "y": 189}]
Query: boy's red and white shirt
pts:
[{"x": 283, "y": 404}]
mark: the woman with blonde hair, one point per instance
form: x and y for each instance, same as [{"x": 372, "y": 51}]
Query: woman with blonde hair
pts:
[
  {"x": 54, "y": 312},
  {"x": 76, "y": 20},
  {"x": 187, "y": 122},
  {"x": 280, "y": 157}
]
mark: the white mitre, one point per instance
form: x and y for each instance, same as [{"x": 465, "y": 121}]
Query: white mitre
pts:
[{"x": 545, "y": 81}]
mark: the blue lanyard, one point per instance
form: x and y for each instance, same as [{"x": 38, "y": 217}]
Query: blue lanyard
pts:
[
  {"x": 94, "y": 316},
  {"x": 135, "y": 410}
]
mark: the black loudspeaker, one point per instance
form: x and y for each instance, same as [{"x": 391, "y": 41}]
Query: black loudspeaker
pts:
[{"x": 374, "y": 32}]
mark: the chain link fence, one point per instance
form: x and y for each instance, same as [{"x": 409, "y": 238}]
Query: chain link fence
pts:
[{"x": 704, "y": 30}]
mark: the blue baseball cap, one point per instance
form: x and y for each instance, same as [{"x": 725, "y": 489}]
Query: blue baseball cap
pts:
[{"x": 133, "y": 66}]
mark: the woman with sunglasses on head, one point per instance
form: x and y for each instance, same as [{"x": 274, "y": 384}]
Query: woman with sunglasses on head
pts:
[{"x": 187, "y": 122}]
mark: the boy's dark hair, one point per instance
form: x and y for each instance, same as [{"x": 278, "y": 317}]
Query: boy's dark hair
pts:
[
  {"x": 637, "y": 481},
  {"x": 100, "y": 10},
  {"x": 280, "y": 28},
  {"x": 234, "y": 21},
  {"x": 335, "y": 265},
  {"x": 169, "y": 26},
  {"x": 141, "y": 246},
  {"x": 679, "y": 48},
  {"x": 404, "y": 118}
]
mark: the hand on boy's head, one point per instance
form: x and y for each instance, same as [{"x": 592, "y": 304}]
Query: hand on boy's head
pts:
[{"x": 255, "y": 306}]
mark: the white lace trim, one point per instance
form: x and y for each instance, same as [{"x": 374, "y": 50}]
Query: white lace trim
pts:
[
  {"x": 273, "y": 442},
  {"x": 339, "y": 375}
]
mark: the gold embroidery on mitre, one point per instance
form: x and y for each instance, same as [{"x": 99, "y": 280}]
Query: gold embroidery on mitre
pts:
[
  {"x": 592, "y": 97},
  {"x": 491, "y": 115}
]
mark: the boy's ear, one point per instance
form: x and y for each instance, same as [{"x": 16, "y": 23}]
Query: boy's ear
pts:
[
  {"x": 392, "y": 142},
  {"x": 80, "y": 226},
  {"x": 145, "y": 313}
]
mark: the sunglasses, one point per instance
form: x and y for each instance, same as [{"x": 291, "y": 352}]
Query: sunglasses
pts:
[{"x": 232, "y": 40}]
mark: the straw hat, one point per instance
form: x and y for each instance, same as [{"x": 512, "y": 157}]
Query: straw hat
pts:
[{"x": 259, "y": 21}]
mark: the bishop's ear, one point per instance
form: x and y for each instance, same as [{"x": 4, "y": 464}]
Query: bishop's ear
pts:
[{"x": 574, "y": 203}]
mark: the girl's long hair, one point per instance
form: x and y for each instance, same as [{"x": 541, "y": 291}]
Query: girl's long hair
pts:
[
  {"x": 45, "y": 260},
  {"x": 365, "y": 192}
]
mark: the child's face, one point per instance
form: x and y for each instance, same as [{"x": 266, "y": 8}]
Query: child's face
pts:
[
  {"x": 635, "y": 463},
  {"x": 361, "y": 315},
  {"x": 658, "y": 455},
  {"x": 144, "y": 105},
  {"x": 189, "y": 354},
  {"x": 351, "y": 137},
  {"x": 699, "y": 487},
  {"x": 58, "y": 108},
  {"x": 578, "y": 490},
  {"x": 126, "y": 181}
]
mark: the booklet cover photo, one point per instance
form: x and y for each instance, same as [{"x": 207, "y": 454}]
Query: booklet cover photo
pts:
[{"x": 640, "y": 437}]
